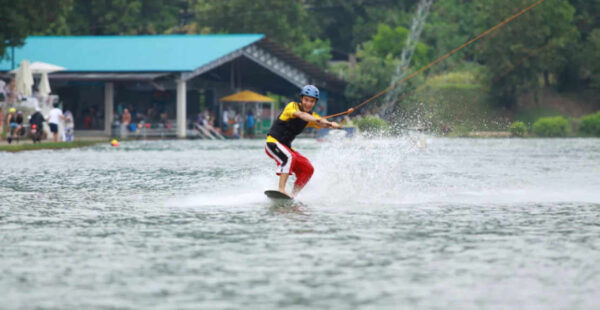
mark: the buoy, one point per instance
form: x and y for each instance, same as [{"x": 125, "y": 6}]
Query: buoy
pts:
[
  {"x": 350, "y": 110},
  {"x": 114, "y": 142}
]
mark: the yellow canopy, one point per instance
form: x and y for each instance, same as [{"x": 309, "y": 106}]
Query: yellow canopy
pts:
[{"x": 247, "y": 96}]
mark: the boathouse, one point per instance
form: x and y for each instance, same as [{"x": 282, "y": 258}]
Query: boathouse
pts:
[{"x": 168, "y": 76}]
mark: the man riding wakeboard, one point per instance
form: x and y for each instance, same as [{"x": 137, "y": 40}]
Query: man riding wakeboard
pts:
[{"x": 290, "y": 123}]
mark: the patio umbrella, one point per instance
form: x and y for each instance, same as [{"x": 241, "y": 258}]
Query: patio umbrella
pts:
[
  {"x": 38, "y": 67},
  {"x": 245, "y": 97},
  {"x": 44, "y": 87},
  {"x": 24, "y": 79}
]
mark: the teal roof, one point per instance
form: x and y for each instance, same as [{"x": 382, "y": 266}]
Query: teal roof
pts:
[{"x": 146, "y": 53}]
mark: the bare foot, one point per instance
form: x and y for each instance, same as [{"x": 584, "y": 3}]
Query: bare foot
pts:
[{"x": 285, "y": 193}]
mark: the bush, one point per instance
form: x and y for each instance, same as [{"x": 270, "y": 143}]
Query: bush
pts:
[
  {"x": 551, "y": 126},
  {"x": 590, "y": 124},
  {"x": 371, "y": 124},
  {"x": 517, "y": 129}
]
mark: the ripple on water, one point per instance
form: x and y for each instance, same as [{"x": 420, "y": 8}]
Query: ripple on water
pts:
[{"x": 463, "y": 223}]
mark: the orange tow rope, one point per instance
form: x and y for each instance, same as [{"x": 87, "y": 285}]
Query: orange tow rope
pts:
[{"x": 433, "y": 63}]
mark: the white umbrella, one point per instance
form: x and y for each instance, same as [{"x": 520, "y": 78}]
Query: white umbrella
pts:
[
  {"x": 44, "y": 87},
  {"x": 42, "y": 67},
  {"x": 38, "y": 67},
  {"x": 24, "y": 79}
]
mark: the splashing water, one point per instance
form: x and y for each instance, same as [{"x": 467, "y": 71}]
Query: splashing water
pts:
[
  {"x": 365, "y": 172},
  {"x": 472, "y": 171}
]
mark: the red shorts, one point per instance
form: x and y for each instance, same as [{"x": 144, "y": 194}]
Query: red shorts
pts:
[{"x": 290, "y": 161}]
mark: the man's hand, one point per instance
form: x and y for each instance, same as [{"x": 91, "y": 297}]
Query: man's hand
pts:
[
  {"x": 327, "y": 124},
  {"x": 335, "y": 125}
]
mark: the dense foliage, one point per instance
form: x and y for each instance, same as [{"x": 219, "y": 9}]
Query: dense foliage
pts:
[
  {"x": 555, "y": 45},
  {"x": 551, "y": 127},
  {"x": 517, "y": 129},
  {"x": 371, "y": 124},
  {"x": 18, "y": 19},
  {"x": 590, "y": 124}
]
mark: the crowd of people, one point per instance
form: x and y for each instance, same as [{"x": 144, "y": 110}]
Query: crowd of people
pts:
[
  {"x": 19, "y": 120},
  {"x": 17, "y": 128},
  {"x": 235, "y": 125},
  {"x": 129, "y": 120}
]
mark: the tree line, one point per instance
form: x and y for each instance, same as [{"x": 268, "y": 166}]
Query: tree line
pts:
[{"x": 554, "y": 45}]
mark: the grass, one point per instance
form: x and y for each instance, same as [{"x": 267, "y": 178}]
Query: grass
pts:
[
  {"x": 460, "y": 108},
  {"x": 48, "y": 146},
  {"x": 530, "y": 115}
]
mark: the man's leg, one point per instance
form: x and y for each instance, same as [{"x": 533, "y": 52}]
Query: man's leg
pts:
[
  {"x": 283, "y": 177},
  {"x": 283, "y": 157},
  {"x": 303, "y": 170}
]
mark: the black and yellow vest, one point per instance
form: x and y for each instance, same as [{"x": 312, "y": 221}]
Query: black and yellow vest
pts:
[{"x": 286, "y": 127}]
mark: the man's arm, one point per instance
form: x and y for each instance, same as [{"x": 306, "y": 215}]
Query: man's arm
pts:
[{"x": 321, "y": 122}]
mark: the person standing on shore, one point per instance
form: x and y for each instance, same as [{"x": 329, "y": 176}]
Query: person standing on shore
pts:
[
  {"x": 12, "y": 124},
  {"x": 125, "y": 122},
  {"x": 69, "y": 132},
  {"x": 54, "y": 118},
  {"x": 225, "y": 121},
  {"x": 250, "y": 124},
  {"x": 1, "y": 120},
  {"x": 36, "y": 123}
]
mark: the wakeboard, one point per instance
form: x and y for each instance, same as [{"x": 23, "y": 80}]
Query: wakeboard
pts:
[{"x": 277, "y": 195}]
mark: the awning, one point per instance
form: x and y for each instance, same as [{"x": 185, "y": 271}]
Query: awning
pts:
[
  {"x": 247, "y": 96},
  {"x": 107, "y": 76}
]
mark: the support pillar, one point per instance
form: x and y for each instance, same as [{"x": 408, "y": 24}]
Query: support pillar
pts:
[
  {"x": 243, "y": 125},
  {"x": 272, "y": 113},
  {"x": 181, "y": 108},
  {"x": 109, "y": 99}
]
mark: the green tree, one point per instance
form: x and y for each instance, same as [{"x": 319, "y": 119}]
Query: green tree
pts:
[
  {"x": 117, "y": 17},
  {"x": 388, "y": 41},
  {"x": 334, "y": 18},
  {"x": 450, "y": 24},
  {"x": 592, "y": 57},
  {"x": 575, "y": 75},
  {"x": 317, "y": 52},
  {"x": 285, "y": 22},
  {"x": 393, "y": 13},
  {"x": 157, "y": 16},
  {"x": 349, "y": 23},
  {"x": 18, "y": 19},
  {"x": 507, "y": 51},
  {"x": 370, "y": 75},
  {"x": 104, "y": 17},
  {"x": 391, "y": 42}
]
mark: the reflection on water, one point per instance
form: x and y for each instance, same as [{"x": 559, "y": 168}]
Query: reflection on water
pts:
[{"x": 461, "y": 223}]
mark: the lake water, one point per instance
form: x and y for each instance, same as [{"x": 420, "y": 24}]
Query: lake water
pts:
[{"x": 407, "y": 223}]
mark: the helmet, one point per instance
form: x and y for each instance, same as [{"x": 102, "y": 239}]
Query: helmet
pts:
[
  {"x": 12, "y": 110},
  {"x": 311, "y": 91},
  {"x": 20, "y": 112}
]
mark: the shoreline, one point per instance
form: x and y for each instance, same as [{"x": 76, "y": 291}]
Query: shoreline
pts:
[{"x": 28, "y": 146}]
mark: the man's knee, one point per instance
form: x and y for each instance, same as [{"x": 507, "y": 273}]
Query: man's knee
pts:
[{"x": 309, "y": 169}]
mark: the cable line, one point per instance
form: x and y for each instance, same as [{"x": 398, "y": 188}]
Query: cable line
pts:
[{"x": 433, "y": 63}]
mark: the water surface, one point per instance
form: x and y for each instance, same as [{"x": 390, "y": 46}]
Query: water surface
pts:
[{"x": 407, "y": 223}]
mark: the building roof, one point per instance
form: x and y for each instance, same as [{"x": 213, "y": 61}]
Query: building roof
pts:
[
  {"x": 151, "y": 57},
  {"x": 247, "y": 96},
  {"x": 333, "y": 81},
  {"x": 151, "y": 53}
]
